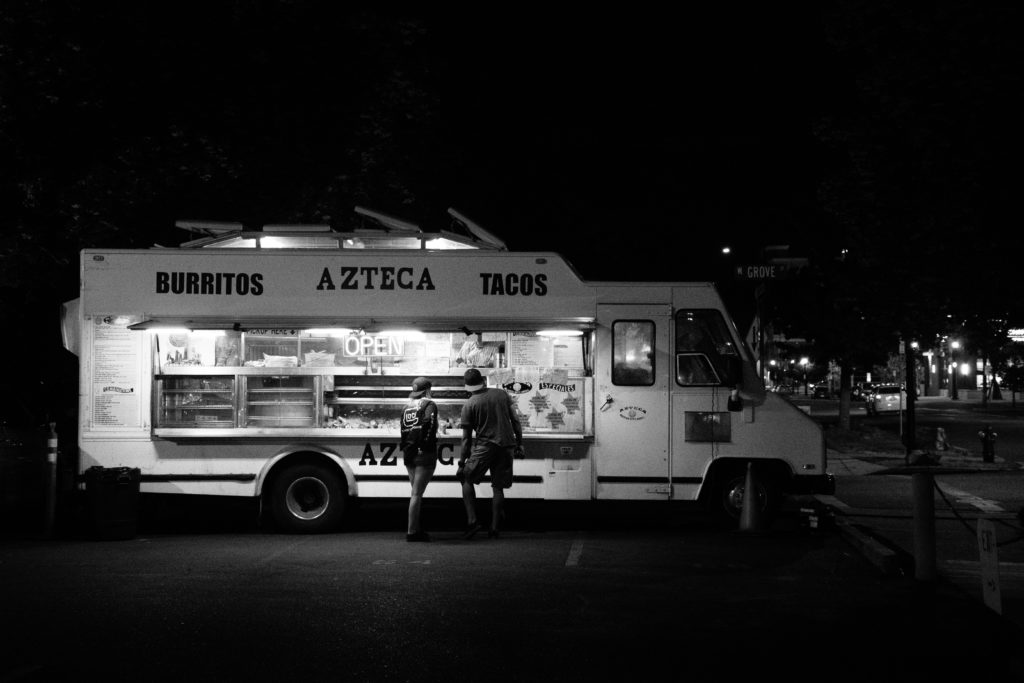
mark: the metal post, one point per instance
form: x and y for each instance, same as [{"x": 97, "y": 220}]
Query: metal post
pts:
[
  {"x": 911, "y": 384},
  {"x": 51, "y": 481},
  {"x": 924, "y": 526},
  {"x": 952, "y": 372}
]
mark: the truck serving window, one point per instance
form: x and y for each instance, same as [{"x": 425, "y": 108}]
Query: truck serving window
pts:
[
  {"x": 633, "y": 353},
  {"x": 705, "y": 352}
]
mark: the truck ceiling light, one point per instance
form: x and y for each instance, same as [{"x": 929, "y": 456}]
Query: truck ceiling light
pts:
[
  {"x": 403, "y": 334},
  {"x": 559, "y": 333},
  {"x": 169, "y": 330},
  {"x": 330, "y": 331}
]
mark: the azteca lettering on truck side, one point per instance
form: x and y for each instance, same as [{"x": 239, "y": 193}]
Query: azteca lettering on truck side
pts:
[
  {"x": 376, "y": 277},
  {"x": 389, "y": 452}
]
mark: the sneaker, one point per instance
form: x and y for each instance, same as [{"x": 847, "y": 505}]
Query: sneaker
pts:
[
  {"x": 471, "y": 531},
  {"x": 418, "y": 537}
]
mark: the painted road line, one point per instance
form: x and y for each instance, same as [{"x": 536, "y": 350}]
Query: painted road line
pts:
[
  {"x": 285, "y": 550},
  {"x": 1012, "y": 570},
  {"x": 966, "y": 498},
  {"x": 574, "y": 553}
]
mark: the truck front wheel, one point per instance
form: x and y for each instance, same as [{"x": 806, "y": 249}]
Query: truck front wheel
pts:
[
  {"x": 307, "y": 499},
  {"x": 727, "y": 502}
]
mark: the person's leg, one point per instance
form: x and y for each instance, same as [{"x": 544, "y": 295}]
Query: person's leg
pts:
[
  {"x": 497, "y": 506},
  {"x": 469, "y": 500},
  {"x": 420, "y": 477}
]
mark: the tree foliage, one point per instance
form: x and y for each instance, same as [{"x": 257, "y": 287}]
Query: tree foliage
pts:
[
  {"x": 916, "y": 197},
  {"x": 117, "y": 120}
]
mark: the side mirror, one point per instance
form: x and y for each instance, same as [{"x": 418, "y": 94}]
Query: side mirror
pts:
[{"x": 735, "y": 403}]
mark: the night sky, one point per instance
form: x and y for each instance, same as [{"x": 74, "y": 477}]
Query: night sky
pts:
[{"x": 636, "y": 144}]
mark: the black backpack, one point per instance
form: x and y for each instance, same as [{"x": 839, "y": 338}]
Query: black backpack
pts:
[{"x": 417, "y": 430}]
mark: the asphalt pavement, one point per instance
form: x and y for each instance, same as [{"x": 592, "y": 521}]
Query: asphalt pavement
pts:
[{"x": 568, "y": 592}]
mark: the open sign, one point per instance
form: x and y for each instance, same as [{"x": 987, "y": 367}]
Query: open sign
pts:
[{"x": 373, "y": 345}]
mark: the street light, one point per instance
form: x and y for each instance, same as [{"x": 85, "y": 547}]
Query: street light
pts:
[{"x": 803, "y": 364}]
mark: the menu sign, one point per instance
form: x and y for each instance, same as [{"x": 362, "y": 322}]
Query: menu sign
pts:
[{"x": 116, "y": 402}]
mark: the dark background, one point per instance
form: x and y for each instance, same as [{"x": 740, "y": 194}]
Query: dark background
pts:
[{"x": 636, "y": 144}]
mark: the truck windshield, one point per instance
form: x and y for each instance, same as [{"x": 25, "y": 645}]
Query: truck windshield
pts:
[{"x": 704, "y": 348}]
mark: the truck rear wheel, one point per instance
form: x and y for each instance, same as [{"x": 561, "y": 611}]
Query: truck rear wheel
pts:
[{"x": 307, "y": 499}]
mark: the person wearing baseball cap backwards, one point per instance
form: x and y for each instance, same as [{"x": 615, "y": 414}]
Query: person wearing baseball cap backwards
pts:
[
  {"x": 491, "y": 436},
  {"x": 419, "y": 448}
]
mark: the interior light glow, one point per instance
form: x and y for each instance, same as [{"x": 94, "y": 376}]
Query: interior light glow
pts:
[
  {"x": 329, "y": 331},
  {"x": 184, "y": 330},
  {"x": 442, "y": 243},
  {"x": 559, "y": 333},
  {"x": 168, "y": 330},
  {"x": 408, "y": 335}
]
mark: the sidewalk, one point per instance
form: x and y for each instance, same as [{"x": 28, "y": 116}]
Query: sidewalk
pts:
[
  {"x": 892, "y": 549},
  {"x": 870, "y": 462}
]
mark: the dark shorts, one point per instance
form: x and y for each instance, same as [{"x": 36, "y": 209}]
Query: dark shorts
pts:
[
  {"x": 415, "y": 457},
  {"x": 487, "y": 456}
]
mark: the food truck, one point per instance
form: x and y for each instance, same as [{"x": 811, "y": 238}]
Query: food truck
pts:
[{"x": 274, "y": 363}]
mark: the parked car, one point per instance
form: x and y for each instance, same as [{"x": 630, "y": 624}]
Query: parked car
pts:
[
  {"x": 785, "y": 389},
  {"x": 821, "y": 390},
  {"x": 862, "y": 391},
  {"x": 886, "y": 398}
]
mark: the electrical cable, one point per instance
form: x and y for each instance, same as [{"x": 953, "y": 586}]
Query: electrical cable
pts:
[{"x": 968, "y": 526}]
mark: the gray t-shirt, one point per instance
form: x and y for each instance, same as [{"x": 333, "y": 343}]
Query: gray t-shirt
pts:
[{"x": 491, "y": 415}]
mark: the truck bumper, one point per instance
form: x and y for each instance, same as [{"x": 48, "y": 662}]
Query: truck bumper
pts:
[{"x": 824, "y": 484}]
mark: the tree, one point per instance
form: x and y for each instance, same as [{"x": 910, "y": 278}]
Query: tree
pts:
[
  {"x": 917, "y": 144},
  {"x": 117, "y": 121}
]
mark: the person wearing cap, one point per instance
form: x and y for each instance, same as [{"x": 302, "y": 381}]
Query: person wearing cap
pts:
[
  {"x": 491, "y": 436},
  {"x": 419, "y": 448}
]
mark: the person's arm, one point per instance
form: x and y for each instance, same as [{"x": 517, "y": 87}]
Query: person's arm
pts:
[
  {"x": 466, "y": 423},
  {"x": 517, "y": 426},
  {"x": 467, "y": 443},
  {"x": 430, "y": 415}
]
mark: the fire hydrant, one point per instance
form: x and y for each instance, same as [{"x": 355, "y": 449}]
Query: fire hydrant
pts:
[{"x": 988, "y": 444}]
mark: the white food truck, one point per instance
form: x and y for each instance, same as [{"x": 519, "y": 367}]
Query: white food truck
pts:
[{"x": 274, "y": 364}]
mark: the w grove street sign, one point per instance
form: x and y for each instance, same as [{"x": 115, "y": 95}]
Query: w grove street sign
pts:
[{"x": 774, "y": 269}]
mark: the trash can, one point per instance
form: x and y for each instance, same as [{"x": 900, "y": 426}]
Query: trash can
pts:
[{"x": 113, "y": 502}]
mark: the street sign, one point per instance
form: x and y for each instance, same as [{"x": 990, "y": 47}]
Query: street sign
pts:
[
  {"x": 773, "y": 269},
  {"x": 989, "y": 564}
]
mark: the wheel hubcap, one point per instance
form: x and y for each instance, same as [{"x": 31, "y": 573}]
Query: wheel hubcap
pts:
[
  {"x": 307, "y": 498},
  {"x": 734, "y": 496}
]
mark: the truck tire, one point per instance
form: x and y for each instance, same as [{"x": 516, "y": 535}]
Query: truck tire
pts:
[
  {"x": 307, "y": 499},
  {"x": 727, "y": 500}
]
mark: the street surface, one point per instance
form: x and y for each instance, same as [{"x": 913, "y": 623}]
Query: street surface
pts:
[{"x": 566, "y": 593}]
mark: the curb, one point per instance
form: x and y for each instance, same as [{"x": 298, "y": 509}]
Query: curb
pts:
[{"x": 884, "y": 559}]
